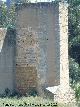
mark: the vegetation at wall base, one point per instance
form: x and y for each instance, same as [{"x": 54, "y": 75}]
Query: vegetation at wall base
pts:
[{"x": 31, "y": 102}]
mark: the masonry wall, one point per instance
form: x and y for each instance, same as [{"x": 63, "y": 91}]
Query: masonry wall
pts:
[
  {"x": 42, "y": 47},
  {"x": 36, "y": 55},
  {"x": 36, "y": 46}
]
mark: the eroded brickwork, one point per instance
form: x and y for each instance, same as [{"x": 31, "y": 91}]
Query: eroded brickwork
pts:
[
  {"x": 35, "y": 42},
  {"x": 26, "y": 78},
  {"x": 26, "y": 59}
]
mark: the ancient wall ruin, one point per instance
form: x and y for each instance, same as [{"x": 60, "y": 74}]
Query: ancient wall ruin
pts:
[
  {"x": 36, "y": 43},
  {"x": 37, "y": 56},
  {"x": 49, "y": 23}
]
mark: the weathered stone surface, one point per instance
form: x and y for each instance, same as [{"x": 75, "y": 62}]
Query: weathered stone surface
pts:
[
  {"x": 42, "y": 42},
  {"x": 26, "y": 60},
  {"x": 26, "y": 48},
  {"x": 64, "y": 93},
  {"x": 35, "y": 42},
  {"x": 26, "y": 78}
]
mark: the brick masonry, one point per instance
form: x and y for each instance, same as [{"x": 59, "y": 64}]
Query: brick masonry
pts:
[
  {"x": 26, "y": 78},
  {"x": 26, "y": 59}
]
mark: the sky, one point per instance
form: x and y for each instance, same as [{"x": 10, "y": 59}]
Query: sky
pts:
[
  {"x": 2, "y": 0},
  {"x": 37, "y": 0}
]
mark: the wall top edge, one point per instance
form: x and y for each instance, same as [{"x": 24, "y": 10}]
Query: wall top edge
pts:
[
  {"x": 38, "y": 3},
  {"x": 34, "y": 5},
  {"x": 42, "y": 2},
  {"x": 3, "y": 28}
]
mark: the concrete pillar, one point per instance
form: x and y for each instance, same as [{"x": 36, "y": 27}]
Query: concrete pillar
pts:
[
  {"x": 64, "y": 93},
  {"x": 63, "y": 26}
]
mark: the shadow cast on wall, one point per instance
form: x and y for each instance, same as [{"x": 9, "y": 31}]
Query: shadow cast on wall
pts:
[{"x": 7, "y": 61}]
